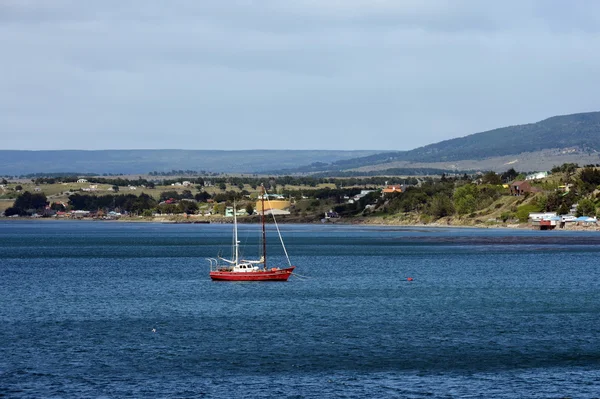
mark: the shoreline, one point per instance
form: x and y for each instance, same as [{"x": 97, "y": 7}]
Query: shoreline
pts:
[{"x": 345, "y": 222}]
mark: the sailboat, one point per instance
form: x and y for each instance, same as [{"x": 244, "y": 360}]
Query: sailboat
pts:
[{"x": 237, "y": 269}]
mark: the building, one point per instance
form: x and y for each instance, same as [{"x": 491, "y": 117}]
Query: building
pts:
[
  {"x": 391, "y": 189},
  {"x": 536, "y": 175},
  {"x": 521, "y": 187},
  {"x": 565, "y": 187},
  {"x": 238, "y": 212},
  {"x": 357, "y": 197},
  {"x": 272, "y": 204},
  {"x": 537, "y": 216}
]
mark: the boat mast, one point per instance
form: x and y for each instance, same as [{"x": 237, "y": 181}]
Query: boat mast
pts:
[
  {"x": 264, "y": 234},
  {"x": 235, "y": 235}
]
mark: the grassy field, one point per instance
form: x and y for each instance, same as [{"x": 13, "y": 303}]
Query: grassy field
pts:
[
  {"x": 4, "y": 204},
  {"x": 61, "y": 191}
]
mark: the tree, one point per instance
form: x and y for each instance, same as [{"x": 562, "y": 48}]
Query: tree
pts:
[
  {"x": 586, "y": 207},
  {"x": 509, "y": 175},
  {"x": 440, "y": 206},
  {"x": 223, "y": 186},
  {"x": 563, "y": 209},
  {"x": 115, "y": 188},
  {"x": 12, "y": 211},
  {"x": 524, "y": 210},
  {"x": 589, "y": 179},
  {"x": 57, "y": 206},
  {"x": 18, "y": 187},
  {"x": 147, "y": 213},
  {"x": 202, "y": 196},
  {"x": 491, "y": 178},
  {"x": 505, "y": 216},
  {"x": 30, "y": 201},
  {"x": 187, "y": 207},
  {"x": 569, "y": 169},
  {"x": 465, "y": 199},
  {"x": 165, "y": 195},
  {"x": 249, "y": 209},
  {"x": 553, "y": 202}
]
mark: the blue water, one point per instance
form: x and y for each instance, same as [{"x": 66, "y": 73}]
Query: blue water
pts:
[{"x": 489, "y": 313}]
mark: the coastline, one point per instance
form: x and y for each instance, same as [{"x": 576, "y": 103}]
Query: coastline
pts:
[{"x": 361, "y": 221}]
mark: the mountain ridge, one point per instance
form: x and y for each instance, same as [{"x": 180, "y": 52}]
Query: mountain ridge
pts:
[
  {"x": 551, "y": 141},
  {"x": 580, "y": 132},
  {"x": 21, "y": 162}
]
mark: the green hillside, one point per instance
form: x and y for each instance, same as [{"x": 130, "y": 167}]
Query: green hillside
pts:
[
  {"x": 576, "y": 130},
  {"x": 581, "y": 131}
]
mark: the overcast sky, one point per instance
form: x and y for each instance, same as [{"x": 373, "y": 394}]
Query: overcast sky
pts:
[{"x": 288, "y": 74}]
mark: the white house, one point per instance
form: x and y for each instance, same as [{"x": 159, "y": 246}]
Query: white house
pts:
[
  {"x": 536, "y": 175},
  {"x": 537, "y": 216},
  {"x": 359, "y": 196},
  {"x": 82, "y": 181}
]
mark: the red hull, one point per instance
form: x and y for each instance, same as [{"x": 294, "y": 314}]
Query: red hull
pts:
[{"x": 259, "y": 275}]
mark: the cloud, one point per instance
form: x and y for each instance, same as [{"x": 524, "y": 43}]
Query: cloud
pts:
[{"x": 271, "y": 74}]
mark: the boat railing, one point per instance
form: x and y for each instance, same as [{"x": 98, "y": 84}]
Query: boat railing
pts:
[{"x": 214, "y": 264}]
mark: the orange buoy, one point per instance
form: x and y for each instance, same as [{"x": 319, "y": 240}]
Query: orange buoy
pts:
[{"x": 410, "y": 279}]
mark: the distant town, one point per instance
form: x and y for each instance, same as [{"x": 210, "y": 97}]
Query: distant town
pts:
[{"x": 565, "y": 197}]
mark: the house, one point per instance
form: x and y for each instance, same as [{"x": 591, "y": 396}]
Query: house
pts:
[
  {"x": 80, "y": 214},
  {"x": 586, "y": 220},
  {"x": 536, "y": 175},
  {"x": 544, "y": 220},
  {"x": 331, "y": 214},
  {"x": 391, "y": 189},
  {"x": 186, "y": 183},
  {"x": 272, "y": 204},
  {"x": 573, "y": 209},
  {"x": 521, "y": 187},
  {"x": 537, "y": 216},
  {"x": 238, "y": 212},
  {"x": 275, "y": 211},
  {"x": 565, "y": 187},
  {"x": 357, "y": 197},
  {"x": 82, "y": 181}
]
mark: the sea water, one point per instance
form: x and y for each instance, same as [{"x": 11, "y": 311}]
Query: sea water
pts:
[{"x": 109, "y": 309}]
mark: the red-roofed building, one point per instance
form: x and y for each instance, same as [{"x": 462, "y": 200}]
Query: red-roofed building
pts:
[{"x": 391, "y": 190}]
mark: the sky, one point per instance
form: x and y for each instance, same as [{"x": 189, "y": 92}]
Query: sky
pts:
[{"x": 288, "y": 74}]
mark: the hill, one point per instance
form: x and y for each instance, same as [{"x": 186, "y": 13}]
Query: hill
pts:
[
  {"x": 13, "y": 162},
  {"x": 552, "y": 141}
]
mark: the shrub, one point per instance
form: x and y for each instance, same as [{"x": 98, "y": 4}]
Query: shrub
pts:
[
  {"x": 504, "y": 216},
  {"x": 524, "y": 210}
]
